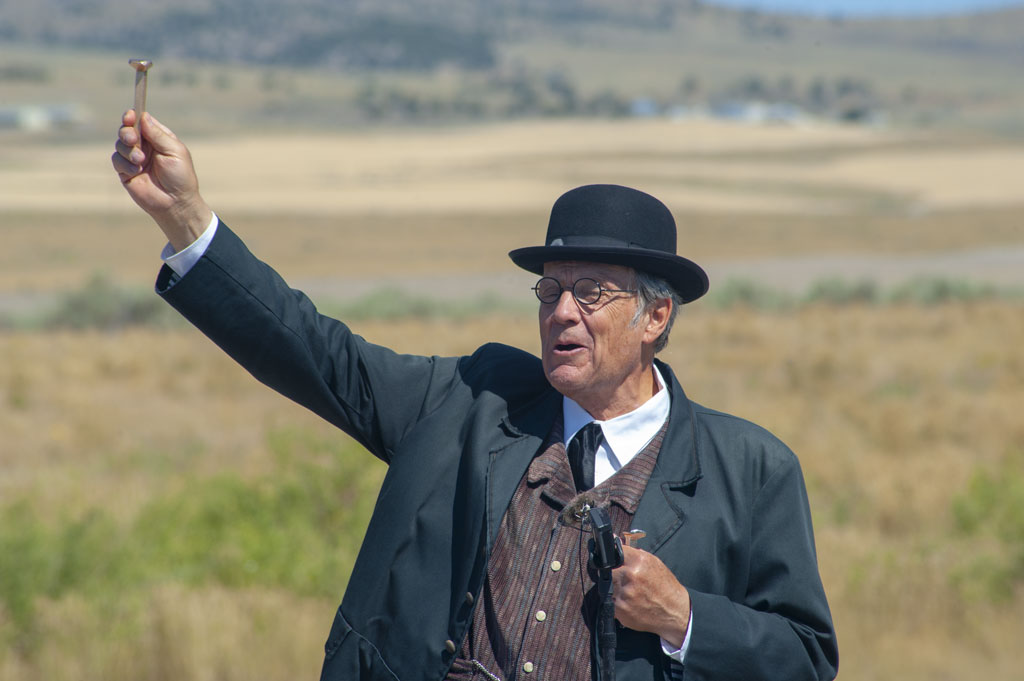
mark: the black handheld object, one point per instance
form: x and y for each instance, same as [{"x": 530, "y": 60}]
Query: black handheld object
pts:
[{"x": 606, "y": 555}]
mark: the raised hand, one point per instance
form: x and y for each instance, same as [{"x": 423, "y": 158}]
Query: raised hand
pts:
[{"x": 158, "y": 174}]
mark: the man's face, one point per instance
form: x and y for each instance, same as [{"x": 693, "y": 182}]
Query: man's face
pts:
[{"x": 592, "y": 353}]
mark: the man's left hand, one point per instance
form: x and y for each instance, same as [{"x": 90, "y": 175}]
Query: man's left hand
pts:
[{"x": 648, "y": 597}]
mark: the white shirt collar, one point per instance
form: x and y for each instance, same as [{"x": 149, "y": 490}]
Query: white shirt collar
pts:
[{"x": 624, "y": 436}]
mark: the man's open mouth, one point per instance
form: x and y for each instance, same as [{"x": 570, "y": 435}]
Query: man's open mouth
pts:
[{"x": 567, "y": 347}]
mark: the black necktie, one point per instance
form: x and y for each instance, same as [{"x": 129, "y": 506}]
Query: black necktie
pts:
[{"x": 582, "y": 449}]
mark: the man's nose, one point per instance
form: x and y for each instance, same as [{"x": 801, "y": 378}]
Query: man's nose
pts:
[{"x": 567, "y": 308}]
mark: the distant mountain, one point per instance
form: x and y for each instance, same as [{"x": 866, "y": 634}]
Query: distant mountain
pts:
[
  {"x": 993, "y": 33},
  {"x": 402, "y": 34},
  {"x": 425, "y": 34}
]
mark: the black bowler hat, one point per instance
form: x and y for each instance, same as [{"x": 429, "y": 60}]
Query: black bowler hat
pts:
[{"x": 617, "y": 225}]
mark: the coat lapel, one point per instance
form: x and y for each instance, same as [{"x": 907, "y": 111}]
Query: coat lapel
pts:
[
  {"x": 660, "y": 513},
  {"x": 523, "y": 433}
]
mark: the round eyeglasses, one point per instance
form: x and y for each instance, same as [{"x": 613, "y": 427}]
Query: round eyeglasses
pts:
[{"x": 586, "y": 290}]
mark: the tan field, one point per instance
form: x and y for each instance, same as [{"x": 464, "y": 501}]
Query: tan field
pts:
[
  {"x": 695, "y": 165},
  {"x": 893, "y": 410},
  {"x": 460, "y": 198}
]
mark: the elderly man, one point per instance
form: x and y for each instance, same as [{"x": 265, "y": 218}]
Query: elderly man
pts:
[{"x": 475, "y": 565}]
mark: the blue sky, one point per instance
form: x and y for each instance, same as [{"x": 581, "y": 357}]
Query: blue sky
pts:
[{"x": 872, "y": 7}]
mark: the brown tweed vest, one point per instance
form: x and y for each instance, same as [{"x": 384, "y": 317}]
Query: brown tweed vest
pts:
[{"x": 535, "y": 619}]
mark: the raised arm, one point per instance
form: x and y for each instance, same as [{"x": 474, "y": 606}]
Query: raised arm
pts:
[{"x": 275, "y": 332}]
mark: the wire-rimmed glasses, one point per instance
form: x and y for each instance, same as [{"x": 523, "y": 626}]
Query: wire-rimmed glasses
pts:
[{"x": 585, "y": 290}]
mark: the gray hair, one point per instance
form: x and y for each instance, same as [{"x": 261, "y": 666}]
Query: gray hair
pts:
[{"x": 651, "y": 289}]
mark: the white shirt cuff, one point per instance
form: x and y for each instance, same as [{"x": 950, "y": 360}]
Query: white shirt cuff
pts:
[
  {"x": 182, "y": 261},
  {"x": 670, "y": 650}
]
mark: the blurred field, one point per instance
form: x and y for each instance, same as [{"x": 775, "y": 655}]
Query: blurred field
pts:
[
  {"x": 164, "y": 516},
  {"x": 696, "y": 165},
  {"x": 893, "y": 411},
  {"x": 458, "y": 199}
]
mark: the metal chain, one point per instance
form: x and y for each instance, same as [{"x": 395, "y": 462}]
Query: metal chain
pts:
[{"x": 483, "y": 670}]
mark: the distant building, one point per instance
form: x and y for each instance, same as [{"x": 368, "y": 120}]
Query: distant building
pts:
[
  {"x": 758, "y": 112},
  {"x": 34, "y": 118},
  {"x": 643, "y": 107}
]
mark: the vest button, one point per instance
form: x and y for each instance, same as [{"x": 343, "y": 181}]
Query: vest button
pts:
[
  {"x": 528, "y": 667},
  {"x": 449, "y": 645},
  {"x": 469, "y": 598}
]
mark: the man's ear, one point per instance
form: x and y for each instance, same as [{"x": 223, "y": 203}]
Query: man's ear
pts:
[{"x": 657, "y": 319}]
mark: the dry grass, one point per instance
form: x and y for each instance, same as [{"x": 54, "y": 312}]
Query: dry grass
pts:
[
  {"x": 458, "y": 199},
  {"x": 149, "y": 407},
  {"x": 174, "y": 632},
  {"x": 890, "y": 410},
  {"x": 692, "y": 165},
  {"x": 47, "y": 253}
]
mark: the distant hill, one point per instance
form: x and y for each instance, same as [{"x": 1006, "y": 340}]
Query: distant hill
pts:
[
  {"x": 424, "y": 34},
  {"x": 402, "y": 34},
  {"x": 455, "y": 60}
]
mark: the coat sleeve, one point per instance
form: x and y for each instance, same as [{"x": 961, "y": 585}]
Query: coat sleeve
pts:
[
  {"x": 276, "y": 333},
  {"x": 781, "y": 628}
]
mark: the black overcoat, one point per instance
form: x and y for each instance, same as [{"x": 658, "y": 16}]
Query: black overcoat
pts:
[{"x": 725, "y": 509}]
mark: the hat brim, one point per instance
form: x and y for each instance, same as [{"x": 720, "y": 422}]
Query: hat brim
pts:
[{"x": 685, "y": 276}]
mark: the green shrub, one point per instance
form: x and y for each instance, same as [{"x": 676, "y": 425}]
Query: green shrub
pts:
[
  {"x": 842, "y": 292},
  {"x": 837, "y": 291},
  {"x": 938, "y": 290},
  {"x": 26, "y": 551},
  {"x": 390, "y": 303},
  {"x": 101, "y": 304},
  {"x": 744, "y": 292},
  {"x": 991, "y": 511},
  {"x": 98, "y": 304},
  {"x": 297, "y": 529},
  {"x": 86, "y": 555}
]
